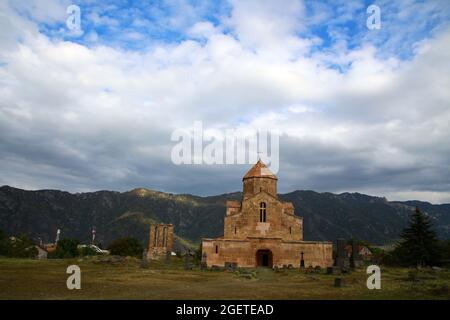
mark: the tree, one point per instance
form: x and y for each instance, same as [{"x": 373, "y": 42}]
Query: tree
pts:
[
  {"x": 17, "y": 247},
  {"x": 65, "y": 248},
  {"x": 419, "y": 245},
  {"x": 21, "y": 246},
  {"x": 126, "y": 247},
  {"x": 198, "y": 255},
  {"x": 4, "y": 244},
  {"x": 445, "y": 249}
]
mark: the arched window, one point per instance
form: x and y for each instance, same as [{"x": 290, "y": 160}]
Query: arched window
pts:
[
  {"x": 290, "y": 230},
  {"x": 165, "y": 237},
  {"x": 217, "y": 249},
  {"x": 235, "y": 230},
  {"x": 155, "y": 242},
  {"x": 262, "y": 212}
]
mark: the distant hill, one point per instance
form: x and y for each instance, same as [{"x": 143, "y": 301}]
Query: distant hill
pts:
[{"x": 116, "y": 214}]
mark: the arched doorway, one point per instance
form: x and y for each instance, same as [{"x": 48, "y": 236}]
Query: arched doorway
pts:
[{"x": 264, "y": 258}]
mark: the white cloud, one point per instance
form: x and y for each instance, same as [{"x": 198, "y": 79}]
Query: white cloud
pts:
[
  {"x": 77, "y": 117},
  {"x": 102, "y": 20},
  {"x": 204, "y": 29},
  {"x": 42, "y": 10}
]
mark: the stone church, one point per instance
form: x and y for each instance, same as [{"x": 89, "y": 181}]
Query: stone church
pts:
[{"x": 261, "y": 230}]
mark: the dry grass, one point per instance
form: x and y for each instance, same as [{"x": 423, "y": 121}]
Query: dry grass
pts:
[{"x": 32, "y": 279}]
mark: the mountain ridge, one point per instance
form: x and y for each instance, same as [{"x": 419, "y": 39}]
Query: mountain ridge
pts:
[{"x": 327, "y": 216}]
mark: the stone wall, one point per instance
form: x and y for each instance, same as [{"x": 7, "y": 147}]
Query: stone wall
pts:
[
  {"x": 284, "y": 253},
  {"x": 244, "y": 220},
  {"x": 262, "y": 230},
  {"x": 252, "y": 186}
]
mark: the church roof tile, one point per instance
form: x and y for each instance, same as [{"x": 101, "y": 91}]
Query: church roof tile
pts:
[{"x": 260, "y": 170}]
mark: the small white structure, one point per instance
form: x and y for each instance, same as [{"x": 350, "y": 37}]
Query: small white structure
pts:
[
  {"x": 42, "y": 253},
  {"x": 93, "y": 247}
]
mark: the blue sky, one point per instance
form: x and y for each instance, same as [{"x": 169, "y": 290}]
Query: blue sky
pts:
[
  {"x": 138, "y": 25},
  {"x": 358, "y": 109}
]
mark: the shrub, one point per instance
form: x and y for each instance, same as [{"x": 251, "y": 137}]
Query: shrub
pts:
[
  {"x": 445, "y": 249},
  {"x": 3, "y": 244},
  {"x": 126, "y": 247},
  {"x": 198, "y": 255},
  {"x": 65, "y": 248},
  {"x": 17, "y": 247},
  {"x": 87, "y": 251}
]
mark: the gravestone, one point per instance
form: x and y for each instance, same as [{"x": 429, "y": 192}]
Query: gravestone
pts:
[
  {"x": 168, "y": 258},
  {"x": 231, "y": 266},
  {"x": 246, "y": 275},
  {"x": 338, "y": 282},
  {"x": 187, "y": 261},
  {"x": 342, "y": 260},
  {"x": 334, "y": 270},
  {"x": 144, "y": 261},
  {"x": 355, "y": 260},
  {"x": 215, "y": 268},
  {"x": 203, "y": 264}
]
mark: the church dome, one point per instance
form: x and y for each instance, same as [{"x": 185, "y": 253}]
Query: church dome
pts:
[{"x": 260, "y": 170}]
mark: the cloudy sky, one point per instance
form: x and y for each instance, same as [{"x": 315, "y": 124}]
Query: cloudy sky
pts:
[{"x": 357, "y": 109}]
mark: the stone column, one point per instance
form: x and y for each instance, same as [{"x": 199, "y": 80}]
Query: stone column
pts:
[{"x": 170, "y": 237}]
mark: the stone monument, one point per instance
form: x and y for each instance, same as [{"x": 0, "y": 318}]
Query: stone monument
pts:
[
  {"x": 203, "y": 264},
  {"x": 144, "y": 261},
  {"x": 342, "y": 260},
  {"x": 355, "y": 259},
  {"x": 302, "y": 261}
]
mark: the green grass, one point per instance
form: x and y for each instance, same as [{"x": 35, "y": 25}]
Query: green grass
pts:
[{"x": 46, "y": 279}]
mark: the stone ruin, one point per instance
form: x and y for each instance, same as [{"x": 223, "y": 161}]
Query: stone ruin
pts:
[{"x": 160, "y": 241}]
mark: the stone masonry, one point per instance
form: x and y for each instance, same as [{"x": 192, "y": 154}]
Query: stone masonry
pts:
[
  {"x": 261, "y": 230},
  {"x": 160, "y": 241}
]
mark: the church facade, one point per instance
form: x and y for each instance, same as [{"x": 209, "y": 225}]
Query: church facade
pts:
[{"x": 262, "y": 230}]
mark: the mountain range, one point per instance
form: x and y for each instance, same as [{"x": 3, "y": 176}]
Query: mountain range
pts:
[{"x": 327, "y": 216}]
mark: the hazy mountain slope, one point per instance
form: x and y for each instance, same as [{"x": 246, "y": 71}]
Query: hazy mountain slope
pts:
[{"x": 326, "y": 215}]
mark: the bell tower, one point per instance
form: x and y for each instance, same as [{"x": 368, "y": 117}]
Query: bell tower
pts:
[{"x": 259, "y": 178}]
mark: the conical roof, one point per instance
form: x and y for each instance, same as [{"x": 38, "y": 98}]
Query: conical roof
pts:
[{"x": 259, "y": 170}]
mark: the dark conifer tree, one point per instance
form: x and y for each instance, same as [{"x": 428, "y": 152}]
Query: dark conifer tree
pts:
[{"x": 419, "y": 245}]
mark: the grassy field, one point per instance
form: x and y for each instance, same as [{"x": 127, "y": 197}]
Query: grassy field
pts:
[{"x": 33, "y": 279}]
